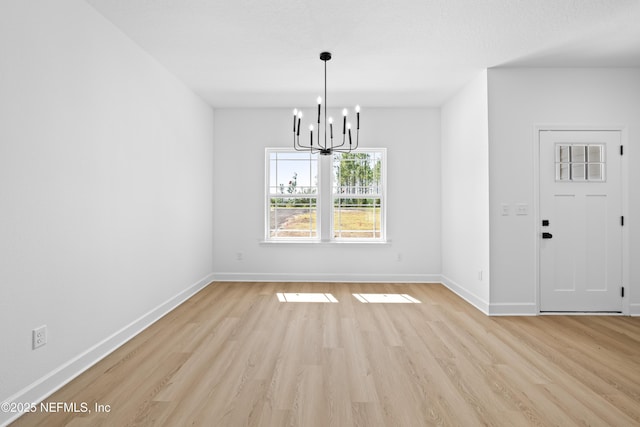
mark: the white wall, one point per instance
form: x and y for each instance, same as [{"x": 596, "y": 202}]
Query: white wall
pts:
[
  {"x": 105, "y": 189},
  {"x": 520, "y": 99},
  {"x": 465, "y": 193},
  {"x": 412, "y": 137}
]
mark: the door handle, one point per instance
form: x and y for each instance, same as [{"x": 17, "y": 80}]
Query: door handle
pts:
[{"x": 546, "y": 235}]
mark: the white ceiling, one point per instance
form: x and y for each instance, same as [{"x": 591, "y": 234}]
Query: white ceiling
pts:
[{"x": 264, "y": 53}]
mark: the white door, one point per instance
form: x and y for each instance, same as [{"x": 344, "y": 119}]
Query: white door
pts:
[{"x": 580, "y": 221}]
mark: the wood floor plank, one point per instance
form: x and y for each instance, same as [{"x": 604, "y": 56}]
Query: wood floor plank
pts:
[
  {"x": 361, "y": 385},
  {"x": 336, "y": 387},
  {"x": 234, "y": 355}
]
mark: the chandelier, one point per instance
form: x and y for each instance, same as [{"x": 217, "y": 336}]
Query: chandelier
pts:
[{"x": 321, "y": 145}]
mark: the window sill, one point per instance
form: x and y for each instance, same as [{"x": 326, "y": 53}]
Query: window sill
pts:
[{"x": 324, "y": 243}]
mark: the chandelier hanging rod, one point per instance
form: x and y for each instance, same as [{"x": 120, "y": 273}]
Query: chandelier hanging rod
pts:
[{"x": 324, "y": 148}]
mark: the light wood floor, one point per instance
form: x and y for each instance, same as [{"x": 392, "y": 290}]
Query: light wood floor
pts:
[{"x": 233, "y": 356}]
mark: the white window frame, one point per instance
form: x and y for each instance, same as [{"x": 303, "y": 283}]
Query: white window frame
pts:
[
  {"x": 325, "y": 201},
  {"x": 382, "y": 195},
  {"x": 268, "y": 196}
]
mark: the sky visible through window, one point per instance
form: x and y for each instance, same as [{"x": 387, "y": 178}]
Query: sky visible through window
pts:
[{"x": 290, "y": 165}]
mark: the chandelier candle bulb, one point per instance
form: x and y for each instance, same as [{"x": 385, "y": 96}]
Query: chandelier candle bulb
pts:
[
  {"x": 349, "y": 127},
  {"x": 331, "y": 126},
  {"x": 357, "y": 117},
  {"x": 311, "y": 133},
  {"x": 319, "y": 104}
]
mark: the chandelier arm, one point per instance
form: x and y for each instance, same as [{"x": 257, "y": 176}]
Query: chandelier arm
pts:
[
  {"x": 299, "y": 147},
  {"x": 296, "y": 143},
  {"x": 350, "y": 148},
  {"x": 335, "y": 147}
]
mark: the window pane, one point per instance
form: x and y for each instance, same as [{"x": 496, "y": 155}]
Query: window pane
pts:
[
  {"x": 562, "y": 153},
  {"x": 578, "y": 154},
  {"x": 595, "y": 153},
  {"x": 357, "y": 218},
  {"x": 292, "y": 217},
  {"x": 578, "y": 171},
  {"x": 562, "y": 171},
  {"x": 293, "y": 173},
  {"x": 357, "y": 173},
  {"x": 596, "y": 172}
]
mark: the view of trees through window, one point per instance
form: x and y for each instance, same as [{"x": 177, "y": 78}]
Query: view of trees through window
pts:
[{"x": 357, "y": 195}]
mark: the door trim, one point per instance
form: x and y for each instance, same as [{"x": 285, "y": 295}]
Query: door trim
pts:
[{"x": 624, "y": 138}]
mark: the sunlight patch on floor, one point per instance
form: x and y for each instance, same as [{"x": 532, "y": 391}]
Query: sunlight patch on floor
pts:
[
  {"x": 386, "y": 298},
  {"x": 305, "y": 297}
]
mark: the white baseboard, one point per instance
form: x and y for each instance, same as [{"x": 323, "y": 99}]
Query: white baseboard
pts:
[
  {"x": 634, "y": 309},
  {"x": 471, "y": 298},
  {"x": 513, "y": 309},
  {"x": 54, "y": 380},
  {"x": 330, "y": 277}
]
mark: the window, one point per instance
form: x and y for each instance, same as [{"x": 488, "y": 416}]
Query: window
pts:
[
  {"x": 292, "y": 195},
  {"x": 580, "y": 162},
  {"x": 357, "y": 195},
  {"x": 325, "y": 198}
]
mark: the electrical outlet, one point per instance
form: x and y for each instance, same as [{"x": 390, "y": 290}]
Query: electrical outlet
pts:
[{"x": 39, "y": 336}]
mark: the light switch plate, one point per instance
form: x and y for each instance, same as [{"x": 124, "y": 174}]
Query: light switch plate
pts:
[{"x": 522, "y": 209}]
